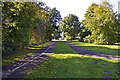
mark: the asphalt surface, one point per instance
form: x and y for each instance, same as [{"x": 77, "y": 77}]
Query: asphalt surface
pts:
[
  {"x": 83, "y": 51},
  {"x": 32, "y": 61}
]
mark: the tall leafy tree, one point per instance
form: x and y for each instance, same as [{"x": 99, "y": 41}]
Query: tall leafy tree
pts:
[
  {"x": 83, "y": 33},
  {"x": 16, "y": 25},
  {"x": 70, "y": 25},
  {"x": 118, "y": 28},
  {"x": 18, "y": 20},
  {"x": 101, "y": 20},
  {"x": 54, "y": 18}
]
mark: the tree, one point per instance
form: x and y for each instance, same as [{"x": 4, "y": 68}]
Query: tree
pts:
[
  {"x": 54, "y": 18},
  {"x": 101, "y": 20},
  {"x": 70, "y": 25},
  {"x": 15, "y": 25},
  {"x": 83, "y": 33},
  {"x": 18, "y": 22},
  {"x": 118, "y": 28}
]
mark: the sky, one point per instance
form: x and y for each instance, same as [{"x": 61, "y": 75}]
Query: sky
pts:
[{"x": 77, "y": 7}]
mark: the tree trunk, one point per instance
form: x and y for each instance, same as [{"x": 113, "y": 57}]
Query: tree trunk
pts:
[{"x": 71, "y": 38}]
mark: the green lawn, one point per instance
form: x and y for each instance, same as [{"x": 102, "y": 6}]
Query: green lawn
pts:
[
  {"x": 22, "y": 53},
  {"x": 66, "y": 63},
  {"x": 107, "y": 49}
]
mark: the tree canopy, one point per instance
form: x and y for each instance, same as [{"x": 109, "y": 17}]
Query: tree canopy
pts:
[
  {"x": 54, "y": 18},
  {"x": 26, "y": 23},
  {"x": 70, "y": 25},
  {"x": 101, "y": 21},
  {"x": 31, "y": 23}
]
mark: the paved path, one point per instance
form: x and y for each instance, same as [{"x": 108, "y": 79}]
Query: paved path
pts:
[
  {"x": 92, "y": 53},
  {"x": 33, "y": 60}
]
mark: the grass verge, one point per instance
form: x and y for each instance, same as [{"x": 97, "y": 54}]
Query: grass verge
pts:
[
  {"x": 66, "y": 63},
  {"x": 22, "y": 53},
  {"x": 106, "y": 49}
]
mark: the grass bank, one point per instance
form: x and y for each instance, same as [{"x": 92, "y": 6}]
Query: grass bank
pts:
[
  {"x": 106, "y": 49},
  {"x": 22, "y": 53},
  {"x": 66, "y": 63}
]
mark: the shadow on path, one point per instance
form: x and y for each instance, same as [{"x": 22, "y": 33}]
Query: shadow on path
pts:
[
  {"x": 34, "y": 60},
  {"x": 83, "y": 51}
]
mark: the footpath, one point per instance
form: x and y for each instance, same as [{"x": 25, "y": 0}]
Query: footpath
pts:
[
  {"x": 19, "y": 68},
  {"x": 83, "y": 51}
]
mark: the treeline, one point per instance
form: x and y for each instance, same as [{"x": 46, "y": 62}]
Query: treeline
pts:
[
  {"x": 101, "y": 25},
  {"x": 27, "y": 23},
  {"x": 31, "y": 23}
]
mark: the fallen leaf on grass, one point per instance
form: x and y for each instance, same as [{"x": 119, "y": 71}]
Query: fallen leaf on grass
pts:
[
  {"x": 51, "y": 72},
  {"x": 42, "y": 67},
  {"x": 82, "y": 56}
]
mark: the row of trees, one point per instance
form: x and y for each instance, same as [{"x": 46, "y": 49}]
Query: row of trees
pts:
[
  {"x": 101, "y": 25},
  {"x": 27, "y": 23}
]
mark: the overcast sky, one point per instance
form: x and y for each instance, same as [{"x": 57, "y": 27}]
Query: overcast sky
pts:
[{"x": 77, "y": 7}]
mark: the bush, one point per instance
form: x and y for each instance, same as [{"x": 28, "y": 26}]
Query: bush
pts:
[{"x": 9, "y": 47}]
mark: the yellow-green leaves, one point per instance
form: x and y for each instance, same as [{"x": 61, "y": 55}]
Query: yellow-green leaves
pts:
[
  {"x": 13, "y": 10},
  {"x": 70, "y": 25},
  {"x": 100, "y": 20}
]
